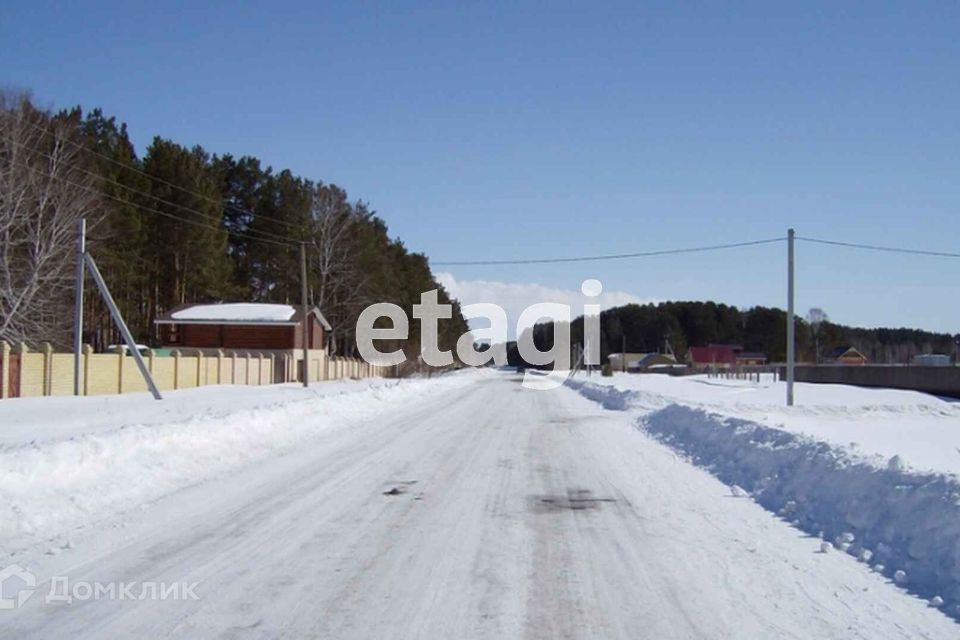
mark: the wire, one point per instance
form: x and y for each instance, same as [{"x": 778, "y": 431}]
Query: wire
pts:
[
  {"x": 872, "y": 247},
  {"x": 611, "y": 256},
  {"x": 98, "y": 176},
  {"x": 158, "y": 212},
  {"x": 130, "y": 167},
  {"x": 286, "y": 240},
  {"x": 662, "y": 252}
]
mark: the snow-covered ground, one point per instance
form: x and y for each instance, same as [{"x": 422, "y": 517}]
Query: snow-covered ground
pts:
[
  {"x": 463, "y": 506},
  {"x": 923, "y": 430},
  {"x": 36, "y": 420},
  {"x": 68, "y": 462},
  {"x": 872, "y": 471}
]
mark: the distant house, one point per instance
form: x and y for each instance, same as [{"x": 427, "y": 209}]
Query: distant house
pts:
[
  {"x": 751, "y": 358},
  {"x": 931, "y": 360},
  {"x": 242, "y": 325},
  {"x": 847, "y": 355},
  {"x": 714, "y": 356},
  {"x": 723, "y": 356},
  {"x": 637, "y": 362}
]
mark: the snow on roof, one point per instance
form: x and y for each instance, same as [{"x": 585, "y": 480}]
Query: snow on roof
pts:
[{"x": 237, "y": 312}]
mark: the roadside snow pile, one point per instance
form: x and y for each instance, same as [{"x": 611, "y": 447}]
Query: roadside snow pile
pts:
[
  {"x": 49, "y": 487},
  {"x": 922, "y": 429},
  {"x": 908, "y": 522},
  {"x": 904, "y": 523},
  {"x": 610, "y": 397}
]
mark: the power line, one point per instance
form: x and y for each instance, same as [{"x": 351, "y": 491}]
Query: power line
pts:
[
  {"x": 130, "y": 167},
  {"x": 157, "y": 211},
  {"x": 113, "y": 160},
  {"x": 286, "y": 240},
  {"x": 610, "y": 256},
  {"x": 662, "y": 252},
  {"x": 158, "y": 199},
  {"x": 872, "y": 247}
]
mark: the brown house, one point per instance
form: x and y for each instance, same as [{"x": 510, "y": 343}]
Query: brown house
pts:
[
  {"x": 751, "y": 358},
  {"x": 242, "y": 325},
  {"x": 847, "y": 355},
  {"x": 714, "y": 356},
  {"x": 637, "y": 362},
  {"x": 723, "y": 356}
]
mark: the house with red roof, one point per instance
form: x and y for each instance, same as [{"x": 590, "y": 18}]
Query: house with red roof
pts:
[
  {"x": 714, "y": 356},
  {"x": 723, "y": 356}
]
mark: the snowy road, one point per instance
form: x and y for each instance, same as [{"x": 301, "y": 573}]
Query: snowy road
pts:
[{"x": 487, "y": 511}]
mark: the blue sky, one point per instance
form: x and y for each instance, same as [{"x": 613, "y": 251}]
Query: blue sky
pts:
[{"x": 485, "y": 131}]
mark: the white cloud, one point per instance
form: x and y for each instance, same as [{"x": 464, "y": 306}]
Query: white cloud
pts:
[{"x": 514, "y": 297}]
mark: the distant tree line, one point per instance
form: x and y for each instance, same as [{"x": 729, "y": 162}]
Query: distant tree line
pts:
[
  {"x": 180, "y": 225},
  {"x": 651, "y": 327}
]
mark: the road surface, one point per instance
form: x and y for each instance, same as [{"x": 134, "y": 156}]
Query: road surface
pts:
[{"x": 488, "y": 511}]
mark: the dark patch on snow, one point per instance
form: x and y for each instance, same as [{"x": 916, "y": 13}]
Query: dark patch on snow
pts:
[
  {"x": 574, "y": 500},
  {"x": 399, "y": 486}
]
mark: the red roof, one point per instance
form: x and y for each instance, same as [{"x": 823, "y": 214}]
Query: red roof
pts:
[{"x": 714, "y": 354}]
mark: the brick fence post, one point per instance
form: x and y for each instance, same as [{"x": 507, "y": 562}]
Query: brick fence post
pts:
[
  {"x": 219, "y": 366},
  {"x": 200, "y": 370},
  {"x": 260, "y": 367},
  {"x": 176, "y": 368},
  {"x": 47, "y": 369},
  {"x": 87, "y": 352},
  {"x": 23, "y": 350},
  {"x": 120, "y": 370},
  {"x": 4, "y": 368}
]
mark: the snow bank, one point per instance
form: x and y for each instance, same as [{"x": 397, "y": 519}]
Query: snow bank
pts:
[
  {"x": 922, "y": 429},
  {"x": 903, "y": 522},
  {"x": 907, "y": 521},
  {"x": 38, "y": 419},
  {"x": 48, "y": 487}
]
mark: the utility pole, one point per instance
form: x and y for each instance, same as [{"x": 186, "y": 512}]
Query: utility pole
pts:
[
  {"x": 78, "y": 305},
  {"x": 791, "y": 346},
  {"x": 305, "y": 337},
  {"x": 86, "y": 263},
  {"x": 124, "y": 330}
]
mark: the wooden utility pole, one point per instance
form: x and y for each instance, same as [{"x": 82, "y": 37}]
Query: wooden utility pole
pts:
[
  {"x": 791, "y": 343},
  {"x": 623, "y": 354},
  {"x": 305, "y": 336},
  {"x": 78, "y": 305}
]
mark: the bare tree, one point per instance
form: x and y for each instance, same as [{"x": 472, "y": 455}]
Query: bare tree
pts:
[
  {"x": 815, "y": 318},
  {"x": 331, "y": 223},
  {"x": 45, "y": 189},
  {"x": 340, "y": 285}
]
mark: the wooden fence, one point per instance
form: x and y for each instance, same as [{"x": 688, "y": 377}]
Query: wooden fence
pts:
[
  {"x": 751, "y": 372},
  {"x": 25, "y": 373}
]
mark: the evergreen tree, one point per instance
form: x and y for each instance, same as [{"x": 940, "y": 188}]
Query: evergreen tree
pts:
[
  {"x": 119, "y": 239},
  {"x": 244, "y": 185},
  {"x": 188, "y": 259}
]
